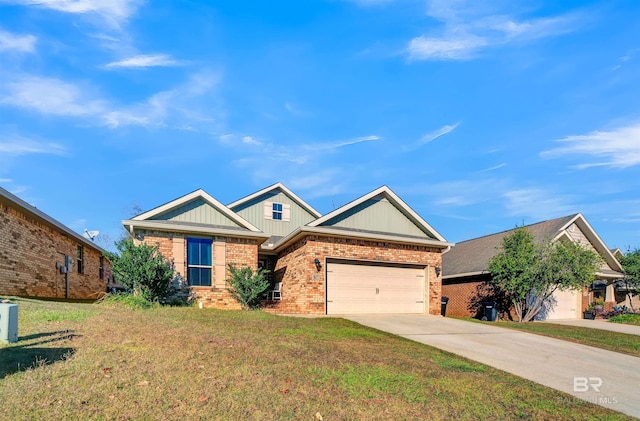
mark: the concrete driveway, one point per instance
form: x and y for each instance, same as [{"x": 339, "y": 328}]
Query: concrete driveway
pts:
[{"x": 606, "y": 378}]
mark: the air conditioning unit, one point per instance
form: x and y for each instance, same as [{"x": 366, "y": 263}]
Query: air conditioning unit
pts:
[{"x": 8, "y": 322}]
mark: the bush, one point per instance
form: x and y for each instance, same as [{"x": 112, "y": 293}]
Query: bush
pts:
[
  {"x": 247, "y": 286},
  {"x": 142, "y": 269},
  {"x": 629, "y": 319}
]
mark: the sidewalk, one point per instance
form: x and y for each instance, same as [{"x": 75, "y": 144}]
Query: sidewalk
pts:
[{"x": 599, "y": 324}]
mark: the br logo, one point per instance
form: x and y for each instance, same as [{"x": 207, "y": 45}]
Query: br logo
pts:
[{"x": 582, "y": 384}]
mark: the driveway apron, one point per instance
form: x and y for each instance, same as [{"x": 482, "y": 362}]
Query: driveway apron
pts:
[{"x": 605, "y": 378}]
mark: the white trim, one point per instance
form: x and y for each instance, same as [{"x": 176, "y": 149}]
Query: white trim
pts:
[
  {"x": 394, "y": 199},
  {"x": 192, "y": 196},
  {"x": 131, "y": 224},
  {"x": 333, "y": 232},
  {"x": 276, "y": 186},
  {"x": 593, "y": 237}
]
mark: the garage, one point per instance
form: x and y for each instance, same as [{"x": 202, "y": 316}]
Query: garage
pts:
[
  {"x": 563, "y": 305},
  {"x": 366, "y": 288}
]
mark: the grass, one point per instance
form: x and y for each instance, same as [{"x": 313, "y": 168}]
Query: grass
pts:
[
  {"x": 629, "y": 319},
  {"x": 612, "y": 341},
  {"x": 82, "y": 361}
]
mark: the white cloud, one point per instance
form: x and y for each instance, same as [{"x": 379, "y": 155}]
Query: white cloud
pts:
[
  {"x": 459, "y": 48},
  {"x": 248, "y": 140},
  {"x": 50, "y": 96},
  {"x": 143, "y": 61},
  {"x": 18, "y": 145},
  {"x": 13, "y": 42},
  {"x": 617, "y": 148},
  {"x": 112, "y": 11},
  {"x": 430, "y": 137},
  {"x": 471, "y": 26},
  {"x": 536, "y": 203},
  {"x": 496, "y": 167}
]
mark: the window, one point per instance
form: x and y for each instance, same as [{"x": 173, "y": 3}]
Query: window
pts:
[
  {"x": 101, "y": 269},
  {"x": 277, "y": 211},
  {"x": 199, "y": 261},
  {"x": 79, "y": 257}
]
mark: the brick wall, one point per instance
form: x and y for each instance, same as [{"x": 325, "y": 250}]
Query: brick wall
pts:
[
  {"x": 29, "y": 250},
  {"x": 237, "y": 251},
  {"x": 303, "y": 287}
]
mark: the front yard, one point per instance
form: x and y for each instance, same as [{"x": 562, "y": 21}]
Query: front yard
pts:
[{"x": 84, "y": 361}]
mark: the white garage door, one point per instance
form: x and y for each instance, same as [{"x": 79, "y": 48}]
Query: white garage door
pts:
[
  {"x": 564, "y": 305},
  {"x": 364, "y": 288}
]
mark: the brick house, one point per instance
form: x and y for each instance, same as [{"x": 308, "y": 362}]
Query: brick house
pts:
[
  {"x": 33, "y": 246},
  {"x": 466, "y": 279},
  {"x": 373, "y": 255}
]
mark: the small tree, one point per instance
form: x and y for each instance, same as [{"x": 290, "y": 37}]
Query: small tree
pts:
[
  {"x": 142, "y": 269},
  {"x": 631, "y": 281},
  {"x": 247, "y": 286},
  {"x": 530, "y": 272}
]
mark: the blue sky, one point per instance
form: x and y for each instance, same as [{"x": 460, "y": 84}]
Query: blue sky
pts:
[{"x": 481, "y": 115}]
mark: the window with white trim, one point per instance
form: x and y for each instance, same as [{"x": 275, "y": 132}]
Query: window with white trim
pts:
[{"x": 277, "y": 211}]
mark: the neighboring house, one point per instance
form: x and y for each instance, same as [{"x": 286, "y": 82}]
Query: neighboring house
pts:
[
  {"x": 465, "y": 278},
  {"x": 373, "y": 255},
  {"x": 33, "y": 246}
]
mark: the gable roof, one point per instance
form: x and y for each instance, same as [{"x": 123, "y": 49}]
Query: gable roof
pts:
[
  {"x": 322, "y": 226},
  {"x": 14, "y": 201},
  {"x": 241, "y": 228},
  {"x": 277, "y": 186},
  {"x": 388, "y": 194},
  {"x": 470, "y": 257}
]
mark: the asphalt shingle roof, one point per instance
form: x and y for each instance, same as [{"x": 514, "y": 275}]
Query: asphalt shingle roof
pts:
[{"x": 471, "y": 256}]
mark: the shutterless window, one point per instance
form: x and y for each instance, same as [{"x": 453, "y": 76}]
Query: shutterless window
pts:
[
  {"x": 79, "y": 258},
  {"x": 277, "y": 211},
  {"x": 199, "y": 261},
  {"x": 101, "y": 270}
]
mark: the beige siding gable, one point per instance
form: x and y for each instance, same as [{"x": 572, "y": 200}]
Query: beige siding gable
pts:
[
  {"x": 376, "y": 214},
  {"x": 575, "y": 233},
  {"x": 259, "y": 212},
  {"x": 197, "y": 211}
]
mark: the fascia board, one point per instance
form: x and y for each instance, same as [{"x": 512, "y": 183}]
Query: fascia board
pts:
[
  {"x": 282, "y": 187},
  {"x": 406, "y": 209},
  {"x": 23, "y": 206},
  {"x": 464, "y": 275},
  {"x": 194, "y": 195},
  {"x": 131, "y": 224},
  {"x": 594, "y": 238},
  {"x": 306, "y": 230}
]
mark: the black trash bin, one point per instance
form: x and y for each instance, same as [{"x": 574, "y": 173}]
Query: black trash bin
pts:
[
  {"x": 490, "y": 311},
  {"x": 443, "y": 306}
]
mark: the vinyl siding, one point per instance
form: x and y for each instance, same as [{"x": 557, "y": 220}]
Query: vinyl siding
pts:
[
  {"x": 197, "y": 211},
  {"x": 254, "y": 212},
  {"x": 377, "y": 215}
]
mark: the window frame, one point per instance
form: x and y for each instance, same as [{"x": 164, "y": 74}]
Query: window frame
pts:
[
  {"x": 277, "y": 213},
  {"x": 80, "y": 258},
  {"x": 201, "y": 241}
]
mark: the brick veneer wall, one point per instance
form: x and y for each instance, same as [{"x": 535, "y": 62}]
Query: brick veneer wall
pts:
[
  {"x": 238, "y": 252},
  {"x": 29, "y": 250},
  {"x": 303, "y": 287}
]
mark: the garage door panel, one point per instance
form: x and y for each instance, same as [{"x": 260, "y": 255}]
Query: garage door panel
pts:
[
  {"x": 562, "y": 305},
  {"x": 357, "y": 288}
]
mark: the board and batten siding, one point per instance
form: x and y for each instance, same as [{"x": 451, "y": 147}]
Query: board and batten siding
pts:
[
  {"x": 377, "y": 215},
  {"x": 254, "y": 212},
  {"x": 197, "y": 211}
]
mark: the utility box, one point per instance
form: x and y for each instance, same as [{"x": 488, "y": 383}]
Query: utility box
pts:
[{"x": 8, "y": 322}]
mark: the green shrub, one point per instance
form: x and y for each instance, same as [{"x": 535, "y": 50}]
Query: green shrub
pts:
[
  {"x": 129, "y": 300},
  {"x": 247, "y": 286},
  {"x": 629, "y": 319}
]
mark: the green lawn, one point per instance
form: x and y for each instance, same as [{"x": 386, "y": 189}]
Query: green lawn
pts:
[
  {"x": 629, "y": 319},
  {"x": 599, "y": 338},
  {"x": 83, "y": 361}
]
